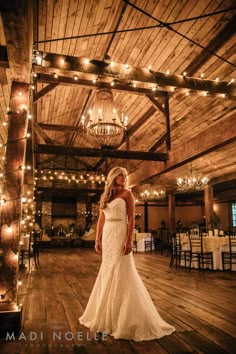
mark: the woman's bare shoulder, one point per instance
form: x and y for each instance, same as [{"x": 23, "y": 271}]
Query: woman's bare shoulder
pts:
[{"x": 128, "y": 193}]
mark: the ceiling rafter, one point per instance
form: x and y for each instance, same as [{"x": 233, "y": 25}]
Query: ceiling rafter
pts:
[
  {"x": 60, "y": 127},
  {"x": 224, "y": 134},
  {"x": 214, "y": 45},
  {"x": 93, "y": 152},
  {"x": 133, "y": 79},
  {"x": 41, "y": 133},
  {"x": 44, "y": 91}
]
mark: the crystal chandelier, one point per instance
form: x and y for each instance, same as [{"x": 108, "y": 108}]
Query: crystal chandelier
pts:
[
  {"x": 105, "y": 126},
  {"x": 149, "y": 192},
  {"x": 191, "y": 181}
]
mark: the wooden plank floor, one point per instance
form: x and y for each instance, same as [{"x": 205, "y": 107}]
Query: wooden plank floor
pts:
[{"x": 201, "y": 306}]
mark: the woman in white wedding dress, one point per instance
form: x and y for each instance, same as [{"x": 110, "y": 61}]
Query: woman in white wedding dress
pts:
[{"x": 119, "y": 304}]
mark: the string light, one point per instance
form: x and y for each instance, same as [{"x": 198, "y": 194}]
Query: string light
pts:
[
  {"x": 46, "y": 175},
  {"x": 231, "y": 82}
]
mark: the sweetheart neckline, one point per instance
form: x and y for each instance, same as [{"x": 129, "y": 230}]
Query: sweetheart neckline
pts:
[{"x": 115, "y": 199}]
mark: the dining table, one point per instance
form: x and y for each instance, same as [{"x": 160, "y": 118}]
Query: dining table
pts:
[
  {"x": 140, "y": 238},
  {"x": 214, "y": 244}
]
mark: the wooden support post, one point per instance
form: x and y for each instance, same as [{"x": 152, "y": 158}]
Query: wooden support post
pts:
[
  {"x": 12, "y": 193},
  {"x": 208, "y": 198},
  {"x": 167, "y": 115},
  {"x": 171, "y": 207},
  {"x": 146, "y": 217}
]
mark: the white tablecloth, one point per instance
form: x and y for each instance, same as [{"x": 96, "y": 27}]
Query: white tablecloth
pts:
[
  {"x": 140, "y": 237},
  {"x": 213, "y": 244}
]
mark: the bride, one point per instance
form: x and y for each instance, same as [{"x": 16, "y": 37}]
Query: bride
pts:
[{"x": 119, "y": 304}]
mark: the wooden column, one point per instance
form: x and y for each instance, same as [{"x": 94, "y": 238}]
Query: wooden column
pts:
[
  {"x": 12, "y": 192},
  {"x": 208, "y": 198},
  {"x": 171, "y": 209},
  {"x": 145, "y": 216}
]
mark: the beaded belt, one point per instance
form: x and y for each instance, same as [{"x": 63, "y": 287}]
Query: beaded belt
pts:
[{"x": 113, "y": 219}]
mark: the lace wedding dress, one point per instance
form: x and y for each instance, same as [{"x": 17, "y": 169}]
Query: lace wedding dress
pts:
[{"x": 119, "y": 303}]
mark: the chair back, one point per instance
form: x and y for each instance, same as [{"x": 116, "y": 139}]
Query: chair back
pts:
[
  {"x": 196, "y": 243},
  {"x": 178, "y": 244},
  {"x": 36, "y": 237},
  {"x": 232, "y": 243}
]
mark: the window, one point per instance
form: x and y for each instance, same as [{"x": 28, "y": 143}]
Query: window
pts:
[{"x": 234, "y": 214}]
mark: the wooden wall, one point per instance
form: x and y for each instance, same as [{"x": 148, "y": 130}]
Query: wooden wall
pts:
[{"x": 187, "y": 214}]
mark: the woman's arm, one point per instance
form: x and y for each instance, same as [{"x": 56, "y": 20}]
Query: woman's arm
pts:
[
  {"x": 100, "y": 224},
  {"x": 130, "y": 204}
]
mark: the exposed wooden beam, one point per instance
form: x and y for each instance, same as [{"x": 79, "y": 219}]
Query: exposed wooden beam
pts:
[
  {"x": 44, "y": 91},
  {"x": 106, "y": 72},
  {"x": 215, "y": 44},
  {"x": 156, "y": 104},
  {"x": 220, "y": 134},
  {"x": 224, "y": 178},
  {"x": 143, "y": 119},
  {"x": 3, "y": 57},
  {"x": 99, "y": 163},
  {"x": 117, "y": 154},
  {"x": 166, "y": 112},
  {"x": 3, "y": 76},
  {"x": 41, "y": 133},
  {"x": 87, "y": 82},
  {"x": 18, "y": 30},
  {"x": 158, "y": 143},
  {"x": 53, "y": 163},
  {"x": 60, "y": 128},
  {"x": 167, "y": 117}
]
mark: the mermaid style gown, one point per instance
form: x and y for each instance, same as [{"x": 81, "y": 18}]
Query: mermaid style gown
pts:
[{"x": 119, "y": 304}]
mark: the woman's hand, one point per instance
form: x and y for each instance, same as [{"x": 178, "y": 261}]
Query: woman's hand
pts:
[
  {"x": 98, "y": 247},
  {"x": 127, "y": 248}
]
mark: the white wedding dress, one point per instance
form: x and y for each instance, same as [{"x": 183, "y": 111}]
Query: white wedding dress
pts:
[{"x": 119, "y": 304}]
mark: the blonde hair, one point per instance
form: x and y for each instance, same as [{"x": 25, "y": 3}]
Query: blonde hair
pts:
[{"x": 109, "y": 189}]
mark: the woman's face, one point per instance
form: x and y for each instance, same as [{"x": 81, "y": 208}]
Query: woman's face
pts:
[{"x": 121, "y": 179}]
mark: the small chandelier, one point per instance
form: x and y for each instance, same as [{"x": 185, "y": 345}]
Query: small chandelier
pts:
[
  {"x": 150, "y": 192},
  {"x": 105, "y": 126},
  {"x": 191, "y": 182}
]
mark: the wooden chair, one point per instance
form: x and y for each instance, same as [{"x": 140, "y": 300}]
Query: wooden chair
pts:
[
  {"x": 229, "y": 257},
  {"x": 198, "y": 254},
  {"x": 36, "y": 237},
  {"x": 149, "y": 244},
  {"x": 165, "y": 240},
  {"x": 135, "y": 244},
  {"x": 177, "y": 253},
  {"x": 31, "y": 250}
]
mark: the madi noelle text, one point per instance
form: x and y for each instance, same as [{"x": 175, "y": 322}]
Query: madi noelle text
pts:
[{"x": 56, "y": 336}]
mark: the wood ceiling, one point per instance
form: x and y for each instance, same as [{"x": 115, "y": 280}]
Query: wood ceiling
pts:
[{"x": 192, "y": 36}]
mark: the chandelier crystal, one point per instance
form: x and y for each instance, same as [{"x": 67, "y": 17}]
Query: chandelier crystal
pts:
[
  {"x": 151, "y": 193},
  {"x": 191, "y": 181},
  {"x": 105, "y": 126}
]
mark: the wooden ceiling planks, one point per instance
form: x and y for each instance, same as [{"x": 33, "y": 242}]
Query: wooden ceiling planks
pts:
[
  {"x": 162, "y": 48},
  {"x": 180, "y": 49}
]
